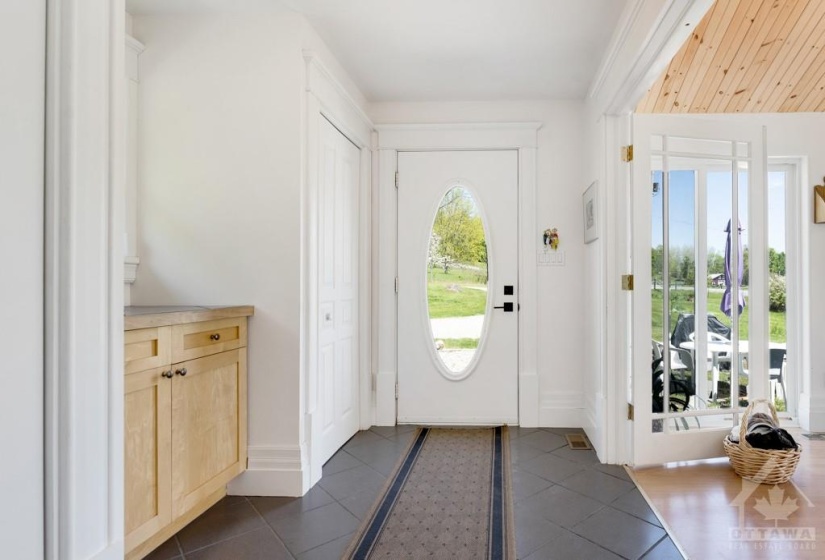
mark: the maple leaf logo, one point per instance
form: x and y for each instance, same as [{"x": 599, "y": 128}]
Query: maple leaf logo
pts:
[{"x": 777, "y": 506}]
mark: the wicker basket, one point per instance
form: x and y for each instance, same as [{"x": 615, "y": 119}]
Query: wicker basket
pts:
[{"x": 763, "y": 466}]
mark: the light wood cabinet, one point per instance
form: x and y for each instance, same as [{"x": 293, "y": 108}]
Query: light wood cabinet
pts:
[{"x": 185, "y": 424}]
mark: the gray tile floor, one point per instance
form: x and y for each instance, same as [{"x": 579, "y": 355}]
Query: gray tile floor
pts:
[{"x": 568, "y": 506}]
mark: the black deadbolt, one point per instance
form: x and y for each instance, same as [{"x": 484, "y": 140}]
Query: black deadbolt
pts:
[{"x": 508, "y": 290}]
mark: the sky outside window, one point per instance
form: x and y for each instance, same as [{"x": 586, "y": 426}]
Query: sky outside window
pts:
[{"x": 718, "y": 208}]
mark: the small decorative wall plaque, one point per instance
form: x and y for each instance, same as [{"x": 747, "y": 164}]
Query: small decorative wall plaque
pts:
[{"x": 591, "y": 214}]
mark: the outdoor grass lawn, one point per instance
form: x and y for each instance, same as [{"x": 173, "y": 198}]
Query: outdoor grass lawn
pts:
[
  {"x": 463, "y": 343},
  {"x": 680, "y": 303},
  {"x": 456, "y": 293},
  {"x": 445, "y": 302},
  {"x": 459, "y": 275}
]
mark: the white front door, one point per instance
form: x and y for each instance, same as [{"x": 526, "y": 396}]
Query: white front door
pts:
[
  {"x": 458, "y": 287},
  {"x": 337, "y": 358},
  {"x": 697, "y": 360}
]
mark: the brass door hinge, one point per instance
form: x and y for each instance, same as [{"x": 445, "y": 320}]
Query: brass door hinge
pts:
[
  {"x": 630, "y": 413},
  {"x": 627, "y": 153},
  {"x": 627, "y": 282}
]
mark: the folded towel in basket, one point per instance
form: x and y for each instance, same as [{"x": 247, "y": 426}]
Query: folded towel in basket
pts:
[
  {"x": 763, "y": 433},
  {"x": 775, "y": 438}
]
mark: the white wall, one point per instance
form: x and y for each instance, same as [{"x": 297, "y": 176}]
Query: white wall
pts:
[
  {"x": 22, "y": 65},
  {"x": 219, "y": 185},
  {"x": 221, "y": 168},
  {"x": 561, "y": 295},
  {"x": 648, "y": 34}
]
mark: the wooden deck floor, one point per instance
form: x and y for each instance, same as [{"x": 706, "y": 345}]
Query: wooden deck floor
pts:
[{"x": 713, "y": 514}]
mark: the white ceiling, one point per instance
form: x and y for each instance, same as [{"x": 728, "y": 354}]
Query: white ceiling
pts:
[{"x": 452, "y": 50}]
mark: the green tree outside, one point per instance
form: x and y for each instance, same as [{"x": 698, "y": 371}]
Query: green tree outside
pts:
[{"x": 459, "y": 228}]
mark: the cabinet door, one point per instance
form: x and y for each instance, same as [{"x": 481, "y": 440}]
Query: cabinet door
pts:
[
  {"x": 208, "y": 426},
  {"x": 148, "y": 448}
]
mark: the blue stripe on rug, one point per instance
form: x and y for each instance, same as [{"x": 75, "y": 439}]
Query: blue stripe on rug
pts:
[
  {"x": 376, "y": 524},
  {"x": 497, "y": 502}
]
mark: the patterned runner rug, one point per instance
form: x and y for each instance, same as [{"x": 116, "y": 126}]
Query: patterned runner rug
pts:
[{"x": 450, "y": 497}]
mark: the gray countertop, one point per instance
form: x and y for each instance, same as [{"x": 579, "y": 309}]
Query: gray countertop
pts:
[{"x": 147, "y": 316}]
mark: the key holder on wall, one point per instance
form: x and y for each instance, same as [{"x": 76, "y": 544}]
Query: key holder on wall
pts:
[{"x": 551, "y": 239}]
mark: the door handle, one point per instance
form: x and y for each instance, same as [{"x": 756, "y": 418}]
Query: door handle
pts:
[{"x": 507, "y": 307}]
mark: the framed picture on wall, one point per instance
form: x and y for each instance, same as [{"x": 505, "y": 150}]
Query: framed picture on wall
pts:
[{"x": 591, "y": 213}]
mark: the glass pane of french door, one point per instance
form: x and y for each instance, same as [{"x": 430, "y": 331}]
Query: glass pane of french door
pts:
[
  {"x": 698, "y": 270},
  {"x": 780, "y": 279}
]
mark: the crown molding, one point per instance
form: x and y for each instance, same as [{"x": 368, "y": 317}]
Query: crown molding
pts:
[
  {"x": 647, "y": 37},
  {"x": 336, "y": 100},
  {"x": 134, "y": 44},
  {"x": 617, "y": 43}
]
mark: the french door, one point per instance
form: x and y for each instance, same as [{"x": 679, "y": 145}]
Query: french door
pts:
[{"x": 700, "y": 304}]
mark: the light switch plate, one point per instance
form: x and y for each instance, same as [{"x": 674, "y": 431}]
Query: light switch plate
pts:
[{"x": 550, "y": 258}]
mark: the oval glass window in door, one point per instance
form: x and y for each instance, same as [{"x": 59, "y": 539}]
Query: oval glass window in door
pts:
[{"x": 457, "y": 280}]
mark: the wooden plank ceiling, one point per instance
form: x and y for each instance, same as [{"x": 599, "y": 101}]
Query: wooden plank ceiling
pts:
[{"x": 747, "y": 56}]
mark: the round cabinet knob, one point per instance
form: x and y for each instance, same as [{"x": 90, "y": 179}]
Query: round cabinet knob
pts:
[
  {"x": 167, "y": 374},
  {"x": 215, "y": 336},
  {"x": 181, "y": 372}
]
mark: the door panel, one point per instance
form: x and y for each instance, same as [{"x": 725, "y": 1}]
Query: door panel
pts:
[
  {"x": 692, "y": 178},
  {"x": 338, "y": 410},
  {"x": 458, "y": 272}
]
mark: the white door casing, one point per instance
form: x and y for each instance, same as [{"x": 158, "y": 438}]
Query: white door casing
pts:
[
  {"x": 706, "y": 426},
  {"x": 487, "y": 391},
  {"x": 338, "y": 266},
  {"x": 85, "y": 179}
]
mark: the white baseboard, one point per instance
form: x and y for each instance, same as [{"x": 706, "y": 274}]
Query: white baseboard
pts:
[
  {"x": 528, "y": 402},
  {"x": 812, "y": 412},
  {"x": 274, "y": 470},
  {"x": 592, "y": 412},
  {"x": 562, "y": 409},
  {"x": 594, "y": 424}
]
